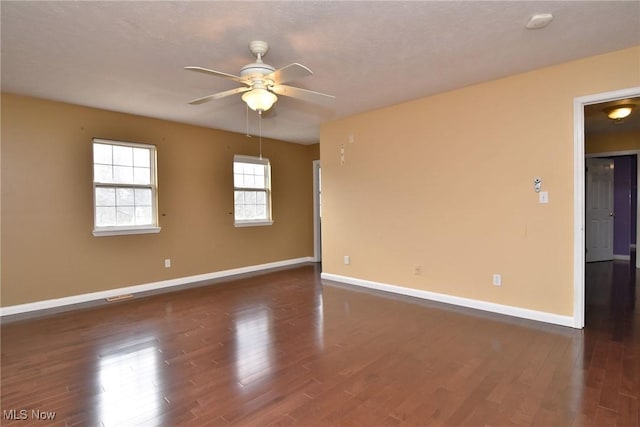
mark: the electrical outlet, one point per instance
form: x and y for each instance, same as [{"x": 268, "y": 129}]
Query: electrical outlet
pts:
[
  {"x": 417, "y": 269},
  {"x": 167, "y": 263},
  {"x": 347, "y": 260},
  {"x": 497, "y": 280}
]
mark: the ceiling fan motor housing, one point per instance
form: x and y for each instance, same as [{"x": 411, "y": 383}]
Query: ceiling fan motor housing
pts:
[{"x": 259, "y": 68}]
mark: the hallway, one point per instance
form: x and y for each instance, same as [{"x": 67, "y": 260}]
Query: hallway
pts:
[{"x": 612, "y": 341}]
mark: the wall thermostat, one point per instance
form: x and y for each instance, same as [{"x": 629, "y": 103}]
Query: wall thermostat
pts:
[{"x": 537, "y": 185}]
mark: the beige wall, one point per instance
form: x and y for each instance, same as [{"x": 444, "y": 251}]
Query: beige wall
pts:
[
  {"x": 48, "y": 250},
  {"x": 446, "y": 182},
  {"x": 613, "y": 141}
]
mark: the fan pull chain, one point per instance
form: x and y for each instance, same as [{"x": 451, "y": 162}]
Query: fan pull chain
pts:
[
  {"x": 260, "y": 129},
  {"x": 247, "y": 117}
]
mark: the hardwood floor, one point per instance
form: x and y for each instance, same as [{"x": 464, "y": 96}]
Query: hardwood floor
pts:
[{"x": 285, "y": 349}]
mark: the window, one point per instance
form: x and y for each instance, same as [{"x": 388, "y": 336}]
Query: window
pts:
[
  {"x": 124, "y": 188},
  {"x": 252, "y": 191}
]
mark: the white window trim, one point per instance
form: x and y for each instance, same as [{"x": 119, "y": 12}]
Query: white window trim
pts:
[
  {"x": 253, "y": 222},
  {"x": 119, "y": 231},
  {"x": 127, "y": 230}
]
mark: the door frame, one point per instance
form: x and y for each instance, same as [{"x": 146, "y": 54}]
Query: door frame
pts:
[
  {"x": 317, "y": 238},
  {"x": 579, "y": 192}
]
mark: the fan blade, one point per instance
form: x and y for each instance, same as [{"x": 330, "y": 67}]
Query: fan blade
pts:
[
  {"x": 304, "y": 94},
  {"x": 290, "y": 72},
  {"x": 216, "y": 73},
  {"x": 219, "y": 95}
]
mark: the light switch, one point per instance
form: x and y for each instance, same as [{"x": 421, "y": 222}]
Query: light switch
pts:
[{"x": 544, "y": 196}]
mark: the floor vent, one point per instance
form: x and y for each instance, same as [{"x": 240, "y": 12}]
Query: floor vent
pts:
[{"x": 119, "y": 298}]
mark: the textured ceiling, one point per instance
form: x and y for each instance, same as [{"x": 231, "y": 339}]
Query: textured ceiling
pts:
[{"x": 129, "y": 56}]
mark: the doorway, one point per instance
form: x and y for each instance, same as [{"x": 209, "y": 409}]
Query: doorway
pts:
[
  {"x": 579, "y": 105},
  {"x": 317, "y": 211}
]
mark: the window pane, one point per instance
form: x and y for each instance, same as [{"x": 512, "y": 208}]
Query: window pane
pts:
[
  {"x": 122, "y": 175},
  {"x": 249, "y": 181},
  {"x": 250, "y": 211},
  {"x": 142, "y": 157},
  {"x": 249, "y": 175},
  {"x": 124, "y": 197},
  {"x": 143, "y": 215},
  {"x": 122, "y": 156},
  {"x": 261, "y": 197},
  {"x": 123, "y": 206},
  {"x": 142, "y": 176},
  {"x": 143, "y": 196},
  {"x": 249, "y": 197},
  {"x": 102, "y": 154},
  {"x": 239, "y": 212},
  {"x": 105, "y": 196},
  {"x": 125, "y": 215},
  {"x": 261, "y": 212},
  {"x": 105, "y": 216},
  {"x": 238, "y": 197},
  {"x": 102, "y": 173}
]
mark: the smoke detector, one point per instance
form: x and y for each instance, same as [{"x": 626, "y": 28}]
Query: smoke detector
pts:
[{"x": 539, "y": 20}]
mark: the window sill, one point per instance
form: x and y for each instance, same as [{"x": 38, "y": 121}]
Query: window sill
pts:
[
  {"x": 119, "y": 231},
  {"x": 252, "y": 223}
]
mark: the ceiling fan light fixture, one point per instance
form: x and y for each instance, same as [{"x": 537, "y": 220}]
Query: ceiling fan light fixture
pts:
[
  {"x": 259, "y": 99},
  {"x": 619, "y": 112}
]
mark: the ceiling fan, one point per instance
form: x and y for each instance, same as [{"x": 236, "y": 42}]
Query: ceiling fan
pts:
[{"x": 263, "y": 82}]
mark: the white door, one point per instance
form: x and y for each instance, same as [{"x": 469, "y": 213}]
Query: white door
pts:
[{"x": 599, "y": 210}]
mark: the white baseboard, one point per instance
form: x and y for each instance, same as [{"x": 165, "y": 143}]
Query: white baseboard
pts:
[
  {"x": 622, "y": 257},
  {"x": 508, "y": 310},
  {"x": 101, "y": 295}
]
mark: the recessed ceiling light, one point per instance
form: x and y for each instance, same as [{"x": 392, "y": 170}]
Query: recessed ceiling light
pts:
[{"x": 539, "y": 20}]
